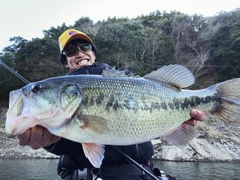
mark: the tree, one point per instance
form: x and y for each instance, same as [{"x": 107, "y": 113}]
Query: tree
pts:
[
  {"x": 119, "y": 44},
  {"x": 225, "y": 46},
  {"x": 53, "y": 33},
  {"x": 86, "y": 25},
  {"x": 142, "y": 44},
  {"x": 8, "y": 81}
]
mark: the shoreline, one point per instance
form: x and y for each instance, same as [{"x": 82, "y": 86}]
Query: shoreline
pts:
[
  {"x": 9, "y": 149},
  {"x": 234, "y": 161}
]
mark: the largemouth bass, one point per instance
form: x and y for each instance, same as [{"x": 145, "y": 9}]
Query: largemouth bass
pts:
[{"x": 112, "y": 109}]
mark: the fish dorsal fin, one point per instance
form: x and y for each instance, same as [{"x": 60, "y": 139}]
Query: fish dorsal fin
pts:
[
  {"x": 112, "y": 72},
  {"x": 174, "y": 74}
]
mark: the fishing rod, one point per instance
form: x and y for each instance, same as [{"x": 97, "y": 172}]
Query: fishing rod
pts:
[
  {"x": 14, "y": 72},
  {"x": 137, "y": 165}
]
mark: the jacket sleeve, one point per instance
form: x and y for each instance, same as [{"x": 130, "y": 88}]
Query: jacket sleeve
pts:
[
  {"x": 73, "y": 155},
  {"x": 63, "y": 146}
]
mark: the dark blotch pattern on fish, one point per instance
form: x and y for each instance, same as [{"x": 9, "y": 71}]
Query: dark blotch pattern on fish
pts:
[
  {"x": 99, "y": 99},
  {"x": 91, "y": 102},
  {"x": 85, "y": 100},
  {"x": 183, "y": 104},
  {"x": 195, "y": 101},
  {"x": 115, "y": 106},
  {"x": 110, "y": 102},
  {"x": 131, "y": 103},
  {"x": 164, "y": 106}
]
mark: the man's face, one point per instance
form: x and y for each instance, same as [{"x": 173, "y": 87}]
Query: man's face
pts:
[{"x": 79, "y": 54}]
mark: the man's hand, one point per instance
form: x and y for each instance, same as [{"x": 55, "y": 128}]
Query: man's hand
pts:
[
  {"x": 196, "y": 115},
  {"x": 37, "y": 137}
]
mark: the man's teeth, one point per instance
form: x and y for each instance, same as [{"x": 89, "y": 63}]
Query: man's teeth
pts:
[{"x": 82, "y": 62}]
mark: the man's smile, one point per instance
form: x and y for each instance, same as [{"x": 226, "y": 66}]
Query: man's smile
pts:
[{"x": 84, "y": 61}]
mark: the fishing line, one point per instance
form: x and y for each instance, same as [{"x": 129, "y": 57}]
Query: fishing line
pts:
[
  {"x": 138, "y": 166},
  {"x": 14, "y": 72}
]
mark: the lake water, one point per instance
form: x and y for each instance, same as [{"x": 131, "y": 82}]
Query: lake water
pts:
[
  {"x": 45, "y": 169},
  {"x": 200, "y": 170},
  {"x": 28, "y": 169}
]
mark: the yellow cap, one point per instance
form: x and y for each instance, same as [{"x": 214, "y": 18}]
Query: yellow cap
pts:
[{"x": 71, "y": 34}]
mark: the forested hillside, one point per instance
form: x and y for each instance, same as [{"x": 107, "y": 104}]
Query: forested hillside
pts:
[{"x": 208, "y": 46}]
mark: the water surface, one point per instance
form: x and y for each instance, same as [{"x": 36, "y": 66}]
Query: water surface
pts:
[{"x": 45, "y": 169}]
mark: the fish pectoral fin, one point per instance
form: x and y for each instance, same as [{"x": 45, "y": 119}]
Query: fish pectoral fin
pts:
[
  {"x": 94, "y": 153},
  {"x": 182, "y": 135},
  {"x": 93, "y": 123}
]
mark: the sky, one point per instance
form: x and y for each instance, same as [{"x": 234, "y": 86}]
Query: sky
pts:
[{"x": 28, "y": 18}]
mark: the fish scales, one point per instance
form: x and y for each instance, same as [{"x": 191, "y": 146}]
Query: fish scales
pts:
[
  {"x": 138, "y": 105},
  {"x": 114, "y": 109}
]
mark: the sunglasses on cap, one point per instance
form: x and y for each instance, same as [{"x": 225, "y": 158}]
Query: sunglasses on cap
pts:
[{"x": 72, "y": 51}]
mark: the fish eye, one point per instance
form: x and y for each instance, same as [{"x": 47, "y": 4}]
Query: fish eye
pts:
[{"x": 36, "y": 87}]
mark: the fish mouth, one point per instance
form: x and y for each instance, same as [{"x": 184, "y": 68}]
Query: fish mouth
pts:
[
  {"x": 12, "y": 134},
  {"x": 14, "y": 111},
  {"x": 16, "y": 127},
  {"x": 15, "y": 98},
  {"x": 17, "y": 120}
]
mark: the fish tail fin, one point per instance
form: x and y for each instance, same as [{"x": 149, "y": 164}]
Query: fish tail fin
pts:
[{"x": 227, "y": 108}]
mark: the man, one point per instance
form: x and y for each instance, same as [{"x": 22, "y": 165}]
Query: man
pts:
[{"x": 78, "y": 53}]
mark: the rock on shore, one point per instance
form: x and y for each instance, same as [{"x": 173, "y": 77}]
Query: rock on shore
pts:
[{"x": 216, "y": 141}]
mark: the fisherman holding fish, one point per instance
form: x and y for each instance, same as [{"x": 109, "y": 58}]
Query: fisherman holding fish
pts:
[{"x": 78, "y": 53}]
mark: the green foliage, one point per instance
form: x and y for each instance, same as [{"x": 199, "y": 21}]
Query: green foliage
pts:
[
  {"x": 146, "y": 43},
  {"x": 119, "y": 43},
  {"x": 8, "y": 81},
  {"x": 53, "y": 33},
  {"x": 225, "y": 47},
  {"x": 130, "y": 45}
]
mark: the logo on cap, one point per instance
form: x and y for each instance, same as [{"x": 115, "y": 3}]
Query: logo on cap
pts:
[{"x": 71, "y": 33}]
